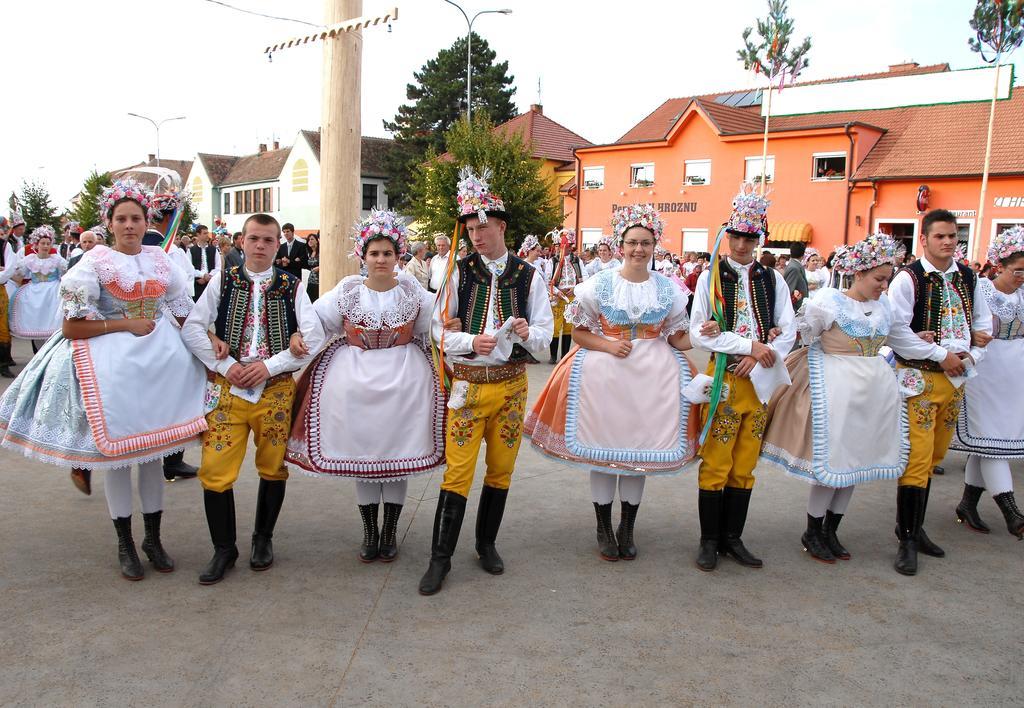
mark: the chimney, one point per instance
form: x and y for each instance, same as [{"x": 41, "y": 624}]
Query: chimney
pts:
[
  {"x": 536, "y": 108},
  {"x": 277, "y": 145},
  {"x": 263, "y": 147},
  {"x": 152, "y": 157},
  {"x": 905, "y": 66}
]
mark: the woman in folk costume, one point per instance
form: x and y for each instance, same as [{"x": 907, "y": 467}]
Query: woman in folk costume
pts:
[
  {"x": 818, "y": 276},
  {"x": 843, "y": 394},
  {"x": 87, "y": 398},
  {"x": 991, "y": 426},
  {"x": 35, "y": 307},
  {"x": 370, "y": 407},
  {"x": 529, "y": 251},
  {"x": 615, "y": 404},
  {"x": 567, "y": 274},
  {"x": 607, "y": 256},
  {"x": 8, "y": 264}
]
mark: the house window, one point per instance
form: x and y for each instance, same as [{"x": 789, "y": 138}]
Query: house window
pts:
[
  {"x": 695, "y": 240},
  {"x": 696, "y": 172},
  {"x": 828, "y": 166},
  {"x": 641, "y": 175},
  {"x": 238, "y": 203},
  {"x": 257, "y": 200},
  {"x": 369, "y": 195},
  {"x": 268, "y": 200},
  {"x": 593, "y": 178},
  {"x": 247, "y": 201},
  {"x": 591, "y": 237},
  {"x": 300, "y": 176},
  {"x": 752, "y": 171},
  {"x": 197, "y": 189},
  {"x": 227, "y": 203}
]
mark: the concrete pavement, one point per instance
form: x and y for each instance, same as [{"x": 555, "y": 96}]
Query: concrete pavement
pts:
[{"x": 560, "y": 627}]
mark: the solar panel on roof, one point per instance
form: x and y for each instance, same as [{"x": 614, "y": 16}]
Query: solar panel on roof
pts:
[{"x": 740, "y": 99}]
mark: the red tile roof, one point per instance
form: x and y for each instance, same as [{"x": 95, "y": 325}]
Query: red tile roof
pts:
[
  {"x": 549, "y": 140},
  {"x": 263, "y": 166},
  {"x": 217, "y": 166},
  {"x": 372, "y": 150}
]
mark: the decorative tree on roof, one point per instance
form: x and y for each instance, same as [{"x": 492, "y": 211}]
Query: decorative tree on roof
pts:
[
  {"x": 772, "y": 57},
  {"x": 998, "y": 30},
  {"x": 87, "y": 209}
]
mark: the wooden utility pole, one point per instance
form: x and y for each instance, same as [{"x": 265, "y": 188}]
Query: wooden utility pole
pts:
[{"x": 340, "y": 131}]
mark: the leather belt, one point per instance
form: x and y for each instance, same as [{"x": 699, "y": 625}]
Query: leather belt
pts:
[{"x": 487, "y": 374}]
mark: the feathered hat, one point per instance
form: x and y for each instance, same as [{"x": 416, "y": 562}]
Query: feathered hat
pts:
[
  {"x": 1006, "y": 244},
  {"x": 749, "y": 214},
  {"x": 874, "y": 251},
  {"x": 126, "y": 188},
  {"x": 381, "y": 223},
  {"x": 476, "y": 199},
  {"x": 644, "y": 215}
]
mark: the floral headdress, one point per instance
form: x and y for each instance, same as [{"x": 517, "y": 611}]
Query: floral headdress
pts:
[
  {"x": 126, "y": 188},
  {"x": 17, "y": 219},
  {"x": 874, "y": 251},
  {"x": 1006, "y": 244},
  {"x": 380, "y": 223},
  {"x": 475, "y": 197},
  {"x": 73, "y": 227},
  {"x": 749, "y": 214},
  {"x": 173, "y": 199},
  {"x": 100, "y": 230},
  {"x": 643, "y": 215},
  {"x": 810, "y": 253},
  {"x": 44, "y": 231},
  {"x": 529, "y": 243},
  {"x": 609, "y": 241}
]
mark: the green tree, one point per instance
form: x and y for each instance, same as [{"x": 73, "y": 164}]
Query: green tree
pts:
[
  {"x": 516, "y": 177},
  {"x": 87, "y": 211},
  {"x": 437, "y": 99},
  {"x": 36, "y": 207}
]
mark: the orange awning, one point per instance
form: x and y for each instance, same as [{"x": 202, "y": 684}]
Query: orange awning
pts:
[{"x": 790, "y": 231}]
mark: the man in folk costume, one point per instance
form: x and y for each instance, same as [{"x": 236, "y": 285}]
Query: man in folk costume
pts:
[
  {"x": 567, "y": 274},
  {"x": 941, "y": 321},
  {"x": 504, "y": 318},
  {"x": 8, "y": 264},
  {"x": 254, "y": 309},
  {"x": 757, "y": 333}
]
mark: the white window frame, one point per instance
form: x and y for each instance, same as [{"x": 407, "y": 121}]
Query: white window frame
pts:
[
  {"x": 996, "y": 223},
  {"x": 770, "y": 161},
  {"x": 686, "y": 172},
  {"x": 917, "y": 229},
  {"x": 814, "y": 170},
  {"x": 969, "y": 220},
  {"x": 594, "y": 167},
  {"x": 632, "y": 170},
  {"x": 706, "y": 248},
  {"x": 591, "y": 233}
]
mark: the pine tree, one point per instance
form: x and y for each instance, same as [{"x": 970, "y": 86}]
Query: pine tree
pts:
[
  {"x": 36, "y": 207},
  {"x": 87, "y": 210},
  {"x": 437, "y": 100},
  {"x": 516, "y": 178}
]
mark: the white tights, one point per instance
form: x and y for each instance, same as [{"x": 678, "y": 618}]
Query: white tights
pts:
[
  {"x": 824, "y": 499},
  {"x": 602, "y": 487},
  {"x": 993, "y": 475},
  {"x": 117, "y": 485},
  {"x": 372, "y": 492}
]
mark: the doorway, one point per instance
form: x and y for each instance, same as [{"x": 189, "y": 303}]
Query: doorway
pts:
[{"x": 903, "y": 230}]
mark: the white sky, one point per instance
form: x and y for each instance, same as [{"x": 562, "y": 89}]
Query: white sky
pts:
[{"x": 73, "y": 69}]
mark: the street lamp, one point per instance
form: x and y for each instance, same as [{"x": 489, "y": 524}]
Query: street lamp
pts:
[
  {"x": 469, "y": 51},
  {"x": 157, "y": 124}
]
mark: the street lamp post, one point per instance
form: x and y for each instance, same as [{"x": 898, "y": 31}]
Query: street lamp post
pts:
[
  {"x": 157, "y": 124},
  {"x": 469, "y": 51}
]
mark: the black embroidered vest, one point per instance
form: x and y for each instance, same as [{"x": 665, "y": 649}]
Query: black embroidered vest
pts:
[
  {"x": 511, "y": 299},
  {"x": 211, "y": 257},
  {"x": 928, "y": 288},
  {"x": 762, "y": 296},
  {"x": 235, "y": 302},
  {"x": 574, "y": 261}
]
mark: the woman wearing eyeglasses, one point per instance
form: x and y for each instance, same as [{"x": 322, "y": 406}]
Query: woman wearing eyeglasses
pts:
[
  {"x": 991, "y": 427},
  {"x": 614, "y": 404}
]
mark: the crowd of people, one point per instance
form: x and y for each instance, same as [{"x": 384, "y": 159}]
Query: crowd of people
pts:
[{"x": 419, "y": 361}]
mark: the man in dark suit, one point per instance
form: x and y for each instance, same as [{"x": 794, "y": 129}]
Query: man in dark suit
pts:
[
  {"x": 293, "y": 255},
  {"x": 235, "y": 256},
  {"x": 72, "y": 233},
  {"x": 205, "y": 259}
]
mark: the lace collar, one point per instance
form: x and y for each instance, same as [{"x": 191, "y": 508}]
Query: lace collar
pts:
[
  {"x": 1006, "y": 307},
  {"x": 624, "y": 301},
  {"x": 124, "y": 270},
  {"x": 379, "y": 310}
]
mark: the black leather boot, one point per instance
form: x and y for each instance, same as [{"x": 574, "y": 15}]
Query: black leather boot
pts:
[
  {"x": 627, "y": 547},
  {"x": 924, "y": 544},
  {"x": 967, "y": 509},
  {"x": 709, "y": 507},
  {"x": 5, "y": 355},
  {"x": 814, "y": 541},
  {"x": 553, "y": 347},
  {"x": 268, "y": 506},
  {"x": 175, "y": 467},
  {"x": 389, "y": 532},
  {"x": 566, "y": 344},
  {"x": 127, "y": 556},
  {"x": 220, "y": 517},
  {"x": 607, "y": 546},
  {"x": 831, "y": 540},
  {"x": 151, "y": 545},
  {"x": 909, "y": 503},
  {"x": 451, "y": 509},
  {"x": 488, "y": 521},
  {"x": 370, "y": 549},
  {"x": 1014, "y": 519},
  {"x": 735, "y": 503}
]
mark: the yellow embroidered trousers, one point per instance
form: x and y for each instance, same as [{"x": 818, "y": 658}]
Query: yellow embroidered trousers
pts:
[
  {"x": 932, "y": 415},
  {"x": 558, "y": 312},
  {"x": 5, "y": 330},
  {"x": 493, "y": 413},
  {"x": 731, "y": 450},
  {"x": 226, "y": 440}
]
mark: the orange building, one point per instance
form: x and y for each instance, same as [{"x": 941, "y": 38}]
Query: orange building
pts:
[{"x": 845, "y": 157}]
